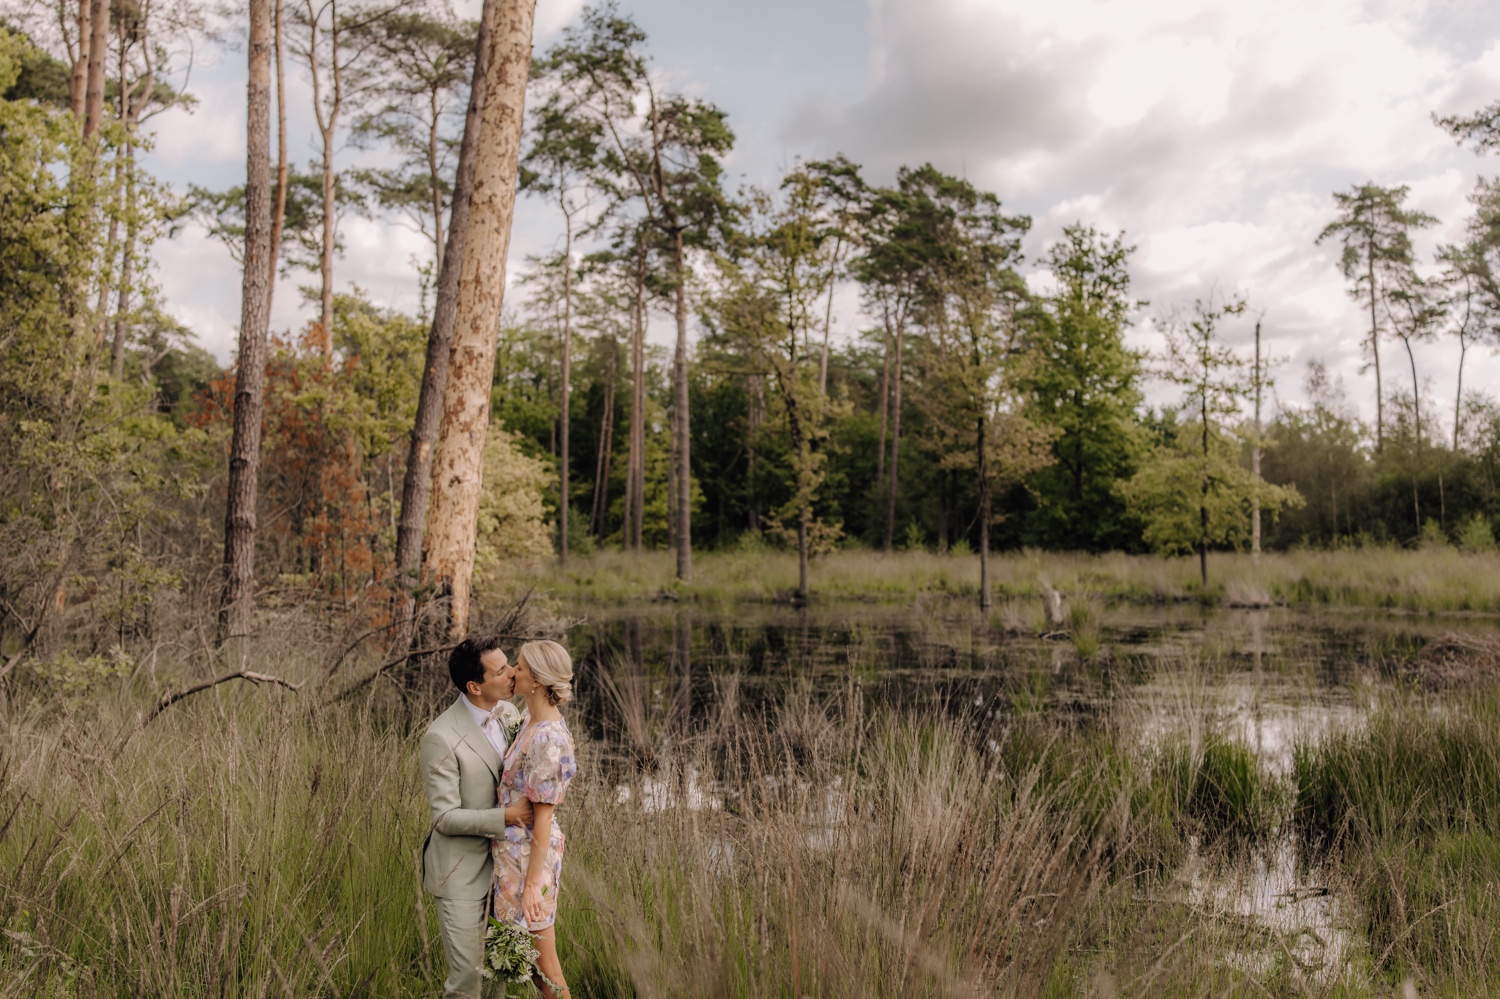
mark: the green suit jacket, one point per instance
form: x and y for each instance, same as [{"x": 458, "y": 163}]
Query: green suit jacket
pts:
[{"x": 462, "y": 772}]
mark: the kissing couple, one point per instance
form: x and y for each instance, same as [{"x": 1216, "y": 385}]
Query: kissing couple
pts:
[{"x": 494, "y": 779}]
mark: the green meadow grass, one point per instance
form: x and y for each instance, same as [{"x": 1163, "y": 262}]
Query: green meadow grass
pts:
[{"x": 1441, "y": 580}]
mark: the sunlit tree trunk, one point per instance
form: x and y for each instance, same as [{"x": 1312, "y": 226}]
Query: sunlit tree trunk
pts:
[
  {"x": 283, "y": 171},
  {"x": 78, "y": 79},
  {"x": 417, "y": 484},
  {"x": 93, "y": 101},
  {"x": 458, "y": 462},
  {"x": 236, "y": 603}
]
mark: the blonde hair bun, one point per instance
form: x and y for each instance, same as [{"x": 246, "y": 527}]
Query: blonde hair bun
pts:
[{"x": 552, "y": 667}]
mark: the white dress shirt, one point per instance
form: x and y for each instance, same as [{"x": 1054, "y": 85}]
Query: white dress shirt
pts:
[{"x": 492, "y": 729}]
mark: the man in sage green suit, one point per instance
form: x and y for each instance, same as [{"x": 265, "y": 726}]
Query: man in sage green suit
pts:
[{"x": 461, "y": 757}]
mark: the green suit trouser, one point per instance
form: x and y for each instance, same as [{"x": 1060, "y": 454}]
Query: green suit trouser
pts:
[{"x": 463, "y": 922}]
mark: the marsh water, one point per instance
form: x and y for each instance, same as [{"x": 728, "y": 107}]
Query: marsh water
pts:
[{"x": 1266, "y": 677}]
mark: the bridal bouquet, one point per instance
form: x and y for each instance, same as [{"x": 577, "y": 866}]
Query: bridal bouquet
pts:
[{"x": 509, "y": 953}]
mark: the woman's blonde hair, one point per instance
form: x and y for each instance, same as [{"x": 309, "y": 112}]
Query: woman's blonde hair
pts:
[{"x": 552, "y": 667}]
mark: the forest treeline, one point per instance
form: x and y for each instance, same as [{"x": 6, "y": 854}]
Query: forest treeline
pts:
[{"x": 962, "y": 408}]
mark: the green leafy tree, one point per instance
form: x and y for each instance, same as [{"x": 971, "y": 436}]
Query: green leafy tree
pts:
[
  {"x": 768, "y": 307},
  {"x": 1193, "y": 492},
  {"x": 1083, "y": 383},
  {"x": 668, "y": 156}
]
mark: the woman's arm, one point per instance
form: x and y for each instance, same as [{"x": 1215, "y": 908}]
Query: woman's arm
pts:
[{"x": 541, "y": 840}]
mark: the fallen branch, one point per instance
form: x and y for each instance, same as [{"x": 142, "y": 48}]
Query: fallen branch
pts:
[
  {"x": 170, "y": 698},
  {"x": 378, "y": 670}
]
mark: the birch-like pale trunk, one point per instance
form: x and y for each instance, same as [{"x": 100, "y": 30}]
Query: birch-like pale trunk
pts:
[
  {"x": 416, "y": 487},
  {"x": 236, "y": 602},
  {"x": 458, "y": 464}
]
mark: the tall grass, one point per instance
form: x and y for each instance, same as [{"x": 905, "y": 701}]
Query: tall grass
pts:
[
  {"x": 1410, "y": 806},
  {"x": 262, "y": 842}
]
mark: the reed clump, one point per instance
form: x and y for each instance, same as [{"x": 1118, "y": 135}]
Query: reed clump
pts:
[{"x": 1409, "y": 806}]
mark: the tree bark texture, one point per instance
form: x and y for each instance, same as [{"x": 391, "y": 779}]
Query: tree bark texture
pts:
[
  {"x": 236, "y": 603},
  {"x": 93, "y": 102},
  {"x": 458, "y": 462},
  {"x": 78, "y": 79},
  {"x": 416, "y": 487}
]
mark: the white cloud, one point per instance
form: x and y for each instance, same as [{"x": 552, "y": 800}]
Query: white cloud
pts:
[{"x": 1212, "y": 133}]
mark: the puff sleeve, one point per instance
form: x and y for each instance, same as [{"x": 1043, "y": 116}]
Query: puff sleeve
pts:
[{"x": 549, "y": 765}]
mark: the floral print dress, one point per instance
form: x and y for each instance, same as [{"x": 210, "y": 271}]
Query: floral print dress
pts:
[{"x": 538, "y": 766}]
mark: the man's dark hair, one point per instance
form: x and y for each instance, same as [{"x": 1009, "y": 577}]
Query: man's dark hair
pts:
[{"x": 464, "y": 664}]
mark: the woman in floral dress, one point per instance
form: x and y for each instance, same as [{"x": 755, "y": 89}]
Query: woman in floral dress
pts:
[{"x": 538, "y": 766}]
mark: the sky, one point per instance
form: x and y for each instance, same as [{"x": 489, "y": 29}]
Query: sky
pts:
[{"x": 1212, "y": 134}]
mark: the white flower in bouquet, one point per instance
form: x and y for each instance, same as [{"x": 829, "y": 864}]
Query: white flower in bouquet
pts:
[{"x": 509, "y": 953}]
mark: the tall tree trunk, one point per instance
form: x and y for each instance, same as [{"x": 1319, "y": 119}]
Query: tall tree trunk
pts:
[
  {"x": 828, "y": 321},
  {"x": 1203, "y": 503},
  {"x": 982, "y": 461},
  {"x": 325, "y": 252},
  {"x": 127, "y": 266},
  {"x": 236, "y": 602},
  {"x": 435, "y": 180},
  {"x": 885, "y": 394},
  {"x": 681, "y": 424},
  {"x": 459, "y": 459},
  {"x": 1416, "y": 418},
  {"x": 1255, "y": 458},
  {"x": 757, "y": 405},
  {"x": 564, "y": 501},
  {"x": 635, "y": 528},
  {"x": 804, "y": 517},
  {"x": 78, "y": 79},
  {"x": 93, "y": 102},
  {"x": 416, "y": 486},
  {"x": 894, "y": 481},
  {"x": 283, "y": 170},
  {"x": 1458, "y": 397},
  {"x": 606, "y": 446},
  {"x": 1375, "y": 351}
]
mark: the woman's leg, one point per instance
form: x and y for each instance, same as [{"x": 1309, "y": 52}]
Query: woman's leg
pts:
[{"x": 549, "y": 965}]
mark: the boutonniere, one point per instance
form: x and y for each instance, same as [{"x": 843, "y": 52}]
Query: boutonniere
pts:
[{"x": 512, "y": 725}]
